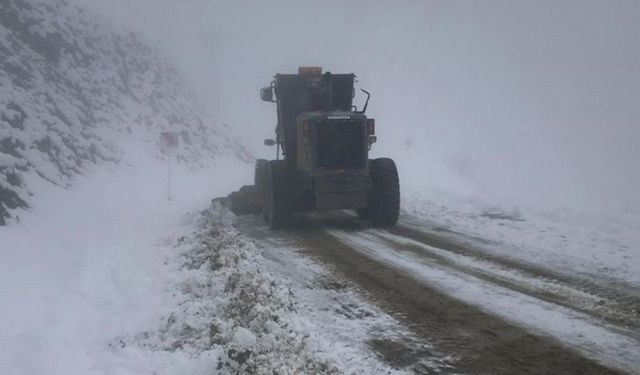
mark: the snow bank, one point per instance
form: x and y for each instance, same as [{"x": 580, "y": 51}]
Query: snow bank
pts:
[
  {"x": 229, "y": 311},
  {"x": 233, "y": 315},
  {"x": 94, "y": 262},
  {"x": 110, "y": 277}
]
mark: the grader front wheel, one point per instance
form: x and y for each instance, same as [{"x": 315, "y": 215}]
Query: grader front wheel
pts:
[{"x": 384, "y": 200}]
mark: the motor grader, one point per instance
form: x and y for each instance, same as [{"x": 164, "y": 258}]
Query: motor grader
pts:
[{"x": 322, "y": 154}]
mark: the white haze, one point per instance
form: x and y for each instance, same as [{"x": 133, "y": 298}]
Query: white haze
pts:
[{"x": 535, "y": 102}]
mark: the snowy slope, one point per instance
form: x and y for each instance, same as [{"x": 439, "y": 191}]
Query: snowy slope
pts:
[{"x": 71, "y": 88}]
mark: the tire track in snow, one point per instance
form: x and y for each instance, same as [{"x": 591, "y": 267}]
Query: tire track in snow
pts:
[
  {"x": 616, "y": 301},
  {"x": 479, "y": 341},
  {"x": 333, "y": 303},
  {"x": 600, "y": 304},
  {"x": 575, "y": 329}
]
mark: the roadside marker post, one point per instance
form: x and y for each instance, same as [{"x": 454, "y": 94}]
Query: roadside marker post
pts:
[{"x": 169, "y": 142}]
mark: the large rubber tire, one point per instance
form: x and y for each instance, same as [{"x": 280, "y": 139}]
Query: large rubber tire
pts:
[
  {"x": 363, "y": 213},
  {"x": 277, "y": 204},
  {"x": 384, "y": 200},
  {"x": 260, "y": 172},
  {"x": 260, "y": 178}
]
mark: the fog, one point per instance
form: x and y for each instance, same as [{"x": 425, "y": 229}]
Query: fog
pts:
[{"x": 533, "y": 103}]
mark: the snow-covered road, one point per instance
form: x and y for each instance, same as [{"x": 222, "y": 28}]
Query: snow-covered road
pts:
[
  {"x": 112, "y": 278},
  {"x": 526, "y": 319},
  {"x": 609, "y": 344}
]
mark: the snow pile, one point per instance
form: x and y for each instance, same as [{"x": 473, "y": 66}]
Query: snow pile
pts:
[
  {"x": 232, "y": 314},
  {"x": 71, "y": 88},
  {"x": 95, "y": 262}
]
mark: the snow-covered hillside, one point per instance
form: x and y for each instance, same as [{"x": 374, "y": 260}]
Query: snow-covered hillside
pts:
[{"x": 73, "y": 90}]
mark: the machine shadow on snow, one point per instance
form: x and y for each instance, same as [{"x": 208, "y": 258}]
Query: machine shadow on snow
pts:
[
  {"x": 301, "y": 222},
  {"x": 336, "y": 219}
]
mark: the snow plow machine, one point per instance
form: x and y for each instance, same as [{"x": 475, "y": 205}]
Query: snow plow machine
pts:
[{"x": 322, "y": 154}]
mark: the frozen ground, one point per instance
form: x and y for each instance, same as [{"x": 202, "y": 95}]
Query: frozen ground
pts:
[
  {"x": 491, "y": 314},
  {"x": 601, "y": 245},
  {"x": 110, "y": 277},
  {"x": 88, "y": 264},
  {"x": 578, "y": 330},
  {"x": 584, "y": 240}
]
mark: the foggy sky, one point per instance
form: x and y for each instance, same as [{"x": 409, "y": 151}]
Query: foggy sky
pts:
[{"x": 537, "y": 102}]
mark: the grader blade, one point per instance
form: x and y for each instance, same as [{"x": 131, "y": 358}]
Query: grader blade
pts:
[{"x": 246, "y": 201}]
